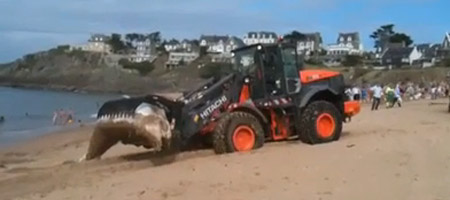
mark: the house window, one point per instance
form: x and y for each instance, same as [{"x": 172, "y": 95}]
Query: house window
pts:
[
  {"x": 349, "y": 39},
  {"x": 341, "y": 39}
]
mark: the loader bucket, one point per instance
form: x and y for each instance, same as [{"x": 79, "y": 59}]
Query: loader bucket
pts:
[{"x": 142, "y": 121}]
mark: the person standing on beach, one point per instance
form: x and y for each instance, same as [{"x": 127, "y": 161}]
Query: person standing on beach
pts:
[
  {"x": 356, "y": 93},
  {"x": 364, "y": 94},
  {"x": 397, "y": 96},
  {"x": 433, "y": 92},
  {"x": 377, "y": 92},
  {"x": 58, "y": 116},
  {"x": 390, "y": 97},
  {"x": 70, "y": 116},
  {"x": 55, "y": 117}
]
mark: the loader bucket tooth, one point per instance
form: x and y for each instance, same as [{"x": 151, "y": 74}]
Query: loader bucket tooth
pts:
[{"x": 130, "y": 121}]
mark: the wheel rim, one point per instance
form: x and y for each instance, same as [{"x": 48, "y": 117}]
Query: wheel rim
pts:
[
  {"x": 243, "y": 138},
  {"x": 325, "y": 125}
]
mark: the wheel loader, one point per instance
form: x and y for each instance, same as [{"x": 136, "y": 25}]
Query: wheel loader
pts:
[{"x": 267, "y": 96}]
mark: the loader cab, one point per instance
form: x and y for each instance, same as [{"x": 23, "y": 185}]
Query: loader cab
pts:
[{"x": 269, "y": 70}]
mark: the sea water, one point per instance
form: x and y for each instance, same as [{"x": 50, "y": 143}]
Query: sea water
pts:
[{"x": 29, "y": 113}]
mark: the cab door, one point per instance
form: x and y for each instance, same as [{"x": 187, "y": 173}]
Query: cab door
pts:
[{"x": 291, "y": 70}]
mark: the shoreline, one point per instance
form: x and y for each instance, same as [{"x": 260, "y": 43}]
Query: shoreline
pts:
[
  {"x": 33, "y": 140},
  {"x": 69, "y": 89},
  {"x": 170, "y": 94}
]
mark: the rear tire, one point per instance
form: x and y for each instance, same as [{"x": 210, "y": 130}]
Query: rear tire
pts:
[
  {"x": 237, "y": 131},
  {"x": 321, "y": 122}
]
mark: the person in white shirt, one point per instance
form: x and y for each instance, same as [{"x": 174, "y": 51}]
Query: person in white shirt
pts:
[
  {"x": 377, "y": 92},
  {"x": 356, "y": 93},
  {"x": 349, "y": 93}
]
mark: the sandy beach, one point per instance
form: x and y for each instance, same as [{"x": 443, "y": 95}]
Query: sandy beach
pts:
[{"x": 399, "y": 153}]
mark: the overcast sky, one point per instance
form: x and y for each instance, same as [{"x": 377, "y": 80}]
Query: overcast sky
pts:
[{"x": 31, "y": 25}]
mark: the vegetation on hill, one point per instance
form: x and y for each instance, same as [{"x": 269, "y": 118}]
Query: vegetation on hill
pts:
[
  {"x": 445, "y": 62},
  {"x": 214, "y": 70},
  {"x": 352, "y": 61},
  {"x": 62, "y": 68},
  {"x": 143, "y": 68}
]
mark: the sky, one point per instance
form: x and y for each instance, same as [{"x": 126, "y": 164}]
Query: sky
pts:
[{"x": 28, "y": 26}]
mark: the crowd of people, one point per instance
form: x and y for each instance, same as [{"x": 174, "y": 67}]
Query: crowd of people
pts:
[{"x": 395, "y": 94}]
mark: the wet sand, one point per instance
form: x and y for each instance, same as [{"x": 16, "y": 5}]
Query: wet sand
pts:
[{"x": 400, "y": 153}]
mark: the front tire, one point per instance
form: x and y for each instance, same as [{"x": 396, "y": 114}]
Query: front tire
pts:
[
  {"x": 321, "y": 122},
  {"x": 237, "y": 132}
]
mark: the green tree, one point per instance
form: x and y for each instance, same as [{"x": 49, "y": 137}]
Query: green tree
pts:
[
  {"x": 386, "y": 34},
  {"x": 382, "y": 35},
  {"x": 196, "y": 42},
  {"x": 116, "y": 43},
  {"x": 161, "y": 47},
  {"x": 155, "y": 37},
  {"x": 130, "y": 38},
  {"x": 401, "y": 38},
  {"x": 352, "y": 61},
  {"x": 294, "y": 37}
]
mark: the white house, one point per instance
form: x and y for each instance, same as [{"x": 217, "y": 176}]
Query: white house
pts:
[
  {"x": 144, "y": 49},
  {"x": 177, "y": 59},
  {"x": 262, "y": 37},
  {"x": 444, "y": 50},
  {"x": 213, "y": 43},
  {"x": 97, "y": 43},
  {"x": 401, "y": 56},
  {"x": 225, "y": 57},
  {"x": 233, "y": 43},
  {"x": 347, "y": 44},
  {"x": 172, "y": 45},
  {"x": 189, "y": 45},
  {"x": 446, "y": 43},
  {"x": 311, "y": 43}
]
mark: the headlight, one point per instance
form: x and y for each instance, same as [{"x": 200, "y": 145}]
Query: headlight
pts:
[
  {"x": 144, "y": 109},
  {"x": 246, "y": 80}
]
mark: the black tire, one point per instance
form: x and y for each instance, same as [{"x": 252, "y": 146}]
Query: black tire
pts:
[
  {"x": 223, "y": 133},
  {"x": 309, "y": 132}
]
